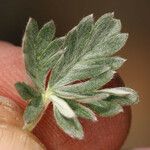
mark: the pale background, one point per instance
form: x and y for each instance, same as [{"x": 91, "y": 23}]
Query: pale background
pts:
[{"x": 135, "y": 16}]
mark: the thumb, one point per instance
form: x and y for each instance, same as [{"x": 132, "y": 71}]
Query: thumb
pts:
[{"x": 11, "y": 134}]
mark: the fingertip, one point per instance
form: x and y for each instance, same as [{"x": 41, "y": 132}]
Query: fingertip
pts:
[
  {"x": 15, "y": 138},
  {"x": 12, "y": 71},
  {"x": 12, "y": 136}
]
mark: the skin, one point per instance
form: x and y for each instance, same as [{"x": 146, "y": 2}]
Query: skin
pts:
[
  {"x": 105, "y": 134},
  {"x": 11, "y": 133}
]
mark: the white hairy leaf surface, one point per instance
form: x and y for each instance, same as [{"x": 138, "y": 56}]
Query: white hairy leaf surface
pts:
[{"x": 70, "y": 72}]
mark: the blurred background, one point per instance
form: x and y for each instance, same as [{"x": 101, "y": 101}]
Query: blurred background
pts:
[{"x": 135, "y": 17}]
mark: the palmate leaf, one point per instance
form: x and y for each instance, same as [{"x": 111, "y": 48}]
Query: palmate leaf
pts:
[{"x": 80, "y": 64}]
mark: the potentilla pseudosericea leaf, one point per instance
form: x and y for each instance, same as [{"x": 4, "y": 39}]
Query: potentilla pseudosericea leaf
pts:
[{"x": 80, "y": 64}]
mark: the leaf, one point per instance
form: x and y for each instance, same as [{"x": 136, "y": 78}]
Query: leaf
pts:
[
  {"x": 88, "y": 61},
  {"x": 25, "y": 91},
  {"x": 116, "y": 91},
  {"x": 122, "y": 95},
  {"x": 94, "y": 68},
  {"x": 86, "y": 98},
  {"x": 63, "y": 107},
  {"x": 80, "y": 72},
  {"x": 33, "y": 110},
  {"x": 45, "y": 35},
  {"x": 89, "y": 86},
  {"x": 113, "y": 63},
  {"x": 49, "y": 55},
  {"x": 106, "y": 108},
  {"x": 104, "y": 27},
  {"x": 28, "y": 46},
  {"x": 81, "y": 111},
  {"x": 30, "y": 35},
  {"x": 108, "y": 47},
  {"x": 36, "y": 45},
  {"x": 77, "y": 38},
  {"x": 75, "y": 42},
  {"x": 70, "y": 126},
  {"x": 70, "y": 72}
]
